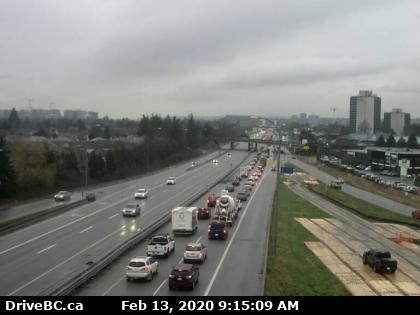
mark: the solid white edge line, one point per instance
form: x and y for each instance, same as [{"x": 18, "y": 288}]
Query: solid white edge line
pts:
[{"x": 206, "y": 293}]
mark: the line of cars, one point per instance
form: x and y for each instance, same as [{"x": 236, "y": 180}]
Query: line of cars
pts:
[{"x": 366, "y": 172}]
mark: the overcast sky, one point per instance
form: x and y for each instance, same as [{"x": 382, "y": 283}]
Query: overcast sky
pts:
[{"x": 124, "y": 58}]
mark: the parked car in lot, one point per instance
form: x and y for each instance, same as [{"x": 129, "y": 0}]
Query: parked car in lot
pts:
[
  {"x": 131, "y": 209},
  {"x": 380, "y": 261},
  {"x": 236, "y": 182},
  {"x": 195, "y": 252},
  {"x": 217, "y": 230},
  {"x": 141, "y": 268},
  {"x": 203, "y": 213},
  {"x": 141, "y": 193},
  {"x": 170, "y": 181},
  {"x": 62, "y": 196},
  {"x": 183, "y": 276}
]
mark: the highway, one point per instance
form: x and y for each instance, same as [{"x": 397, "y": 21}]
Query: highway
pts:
[
  {"x": 356, "y": 192},
  {"x": 42, "y": 256},
  {"x": 234, "y": 267}
]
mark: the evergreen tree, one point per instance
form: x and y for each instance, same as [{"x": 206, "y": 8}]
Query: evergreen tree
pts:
[
  {"x": 380, "y": 142},
  {"x": 13, "y": 121},
  {"x": 192, "y": 134},
  {"x": 401, "y": 142},
  {"x": 390, "y": 142},
  {"x": 412, "y": 141},
  {"x": 7, "y": 174}
]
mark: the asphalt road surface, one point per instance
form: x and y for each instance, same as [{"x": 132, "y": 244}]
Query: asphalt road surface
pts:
[
  {"x": 234, "y": 266},
  {"x": 356, "y": 192},
  {"x": 40, "y": 257}
]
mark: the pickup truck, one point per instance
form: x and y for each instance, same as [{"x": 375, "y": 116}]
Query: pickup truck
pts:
[
  {"x": 380, "y": 261},
  {"x": 161, "y": 245}
]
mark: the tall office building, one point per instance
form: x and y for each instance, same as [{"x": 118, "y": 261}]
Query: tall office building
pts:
[
  {"x": 397, "y": 121},
  {"x": 365, "y": 112}
]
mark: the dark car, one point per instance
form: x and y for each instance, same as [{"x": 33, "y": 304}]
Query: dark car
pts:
[
  {"x": 211, "y": 200},
  {"x": 62, "y": 196},
  {"x": 230, "y": 188},
  {"x": 242, "y": 196},
  {"x": 183, "y": 276},
  {"x": 416, "y": 214},
  {"x": 380, "y": 261},
  {"x": 335, "y": 184},
  {"x": 217, "y": 230},
  {"x": 236, "y": 182},
  {"x": 203, "y": 213},
  {"x": 91, "y": 197}
]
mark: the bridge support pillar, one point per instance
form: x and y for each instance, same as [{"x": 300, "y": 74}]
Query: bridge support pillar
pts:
[
  {"x": 256, "y": 147},
  {"x": 231, "y": 145},
  {"x": 249, "y": 146}
]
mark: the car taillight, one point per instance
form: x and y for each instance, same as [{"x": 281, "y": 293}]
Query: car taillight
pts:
[
  {"x": 188, "y": 277},
  {"x": 171, "y": 276},
  {"x": 208, "y": 230},
  {"x": 145, "y": 269},
  {"x": 128, "y": 269},
  {"x": 224, "y": 231}
]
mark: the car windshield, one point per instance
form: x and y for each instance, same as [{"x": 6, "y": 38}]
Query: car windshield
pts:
[
  {"x": 218, "y": 225},
  {"x": 193, "y": 248},
  {"x": 159, "y": 240},
  {"x": 61, "y": 193},
  {"x": 171, "y": 178},
  {"x": 131, "y": 206},
  {"x": 383, "y": 255},
  {"x": 181, "y": 272},
  {"x": 137, "y": 264},
  {"x": 141, "y": 190}
]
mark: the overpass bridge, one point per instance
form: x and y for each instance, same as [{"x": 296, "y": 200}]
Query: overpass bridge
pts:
[{"x": 252, "y": 143}]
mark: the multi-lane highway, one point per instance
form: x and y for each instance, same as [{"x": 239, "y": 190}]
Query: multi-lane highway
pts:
[
  {"x": 38, "y": 258},
  {"x": 234, "y": 266}
]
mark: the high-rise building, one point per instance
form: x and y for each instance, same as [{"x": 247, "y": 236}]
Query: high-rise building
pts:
[
  {"x": 397, "y": 120},
  {"x": 365, "y": 112},
  {"x": 80, "y": 114}
]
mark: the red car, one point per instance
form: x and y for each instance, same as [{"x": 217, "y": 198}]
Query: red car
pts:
[
  {"x": 203, "y": 213},
  {"x": 211, "y": 201}
]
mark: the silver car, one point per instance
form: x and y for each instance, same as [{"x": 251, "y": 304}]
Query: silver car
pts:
[
  {"x": 142, "y": 268},
  {"x": 62, "y": 196},
  {"x": 195, "y": 252},
  {"x": 131, "y": 209}
]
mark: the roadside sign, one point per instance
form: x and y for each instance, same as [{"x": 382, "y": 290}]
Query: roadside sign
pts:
[
  {"x": 269, "y": 161},
  {"x": 286, "y": 170}
]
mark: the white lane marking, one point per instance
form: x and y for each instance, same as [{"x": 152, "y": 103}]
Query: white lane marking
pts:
[
  {"x": 157, "y": 290},
  {"x": 87, "y": 229},
  {"x": 103, "y": 203},
  {"x": 62, "y": 263},
  {"x": 75, "y": 221},
  {"x": 165, "y": 190},
  {"x": 180, "y": 261},
  {"x": 113, "y": 216},
  {"x": 113, "y": 286},
  {"x": 206, "y": 293},
  {"x": 152, "y": 197},
  {"x": 45, "y": 249}
]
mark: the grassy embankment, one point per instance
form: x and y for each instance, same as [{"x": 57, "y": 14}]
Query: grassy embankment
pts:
[{"x": 292, "y": 269}]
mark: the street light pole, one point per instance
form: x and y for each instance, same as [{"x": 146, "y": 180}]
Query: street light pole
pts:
[{"x": 88, "y": 152}]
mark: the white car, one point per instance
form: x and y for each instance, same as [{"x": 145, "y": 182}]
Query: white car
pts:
[
  {"x": 131, "y": 209},
  {"x": 170, "y": 181},
  {"x": 195, "y": 252},
  {"x": 141, "y": 268},
  {"x": 141, "y": 193}
]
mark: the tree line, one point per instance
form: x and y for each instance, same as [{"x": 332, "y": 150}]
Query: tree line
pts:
[{"x": 28, "y": 169}]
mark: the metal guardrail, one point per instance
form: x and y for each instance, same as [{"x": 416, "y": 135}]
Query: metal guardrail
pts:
[
  {"x": 107, "y": 258},
  {"x": 11, "y": 225}
]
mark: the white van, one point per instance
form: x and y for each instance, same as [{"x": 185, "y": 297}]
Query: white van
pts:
[{"x": 184, "y": 220}]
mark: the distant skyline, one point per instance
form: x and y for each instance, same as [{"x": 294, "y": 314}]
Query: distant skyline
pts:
[{"x": 210, "y": 58}]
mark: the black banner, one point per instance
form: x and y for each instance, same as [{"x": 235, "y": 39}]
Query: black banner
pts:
[{"x": 183, "y": 305}]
